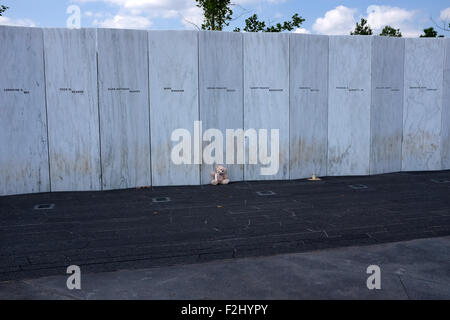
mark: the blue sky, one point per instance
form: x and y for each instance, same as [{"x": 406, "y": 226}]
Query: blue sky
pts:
[{"x": 322, "y": 16}]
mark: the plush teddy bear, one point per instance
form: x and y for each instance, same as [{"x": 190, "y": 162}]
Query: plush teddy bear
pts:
[{"x": 219, "y": 176}]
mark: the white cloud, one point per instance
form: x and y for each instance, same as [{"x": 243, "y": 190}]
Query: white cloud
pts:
[
  {"x": 125, "y": 22},
  {"x": 151, "y": 7},
  {"x": 302, "y": 30},
  {"x": 140, "y": 10},
  {"x": 342, "y": 20},
  {"x": 242, "y": 2},
  {"x": 184, "y": 10},
  {"x": 410, "y": 32},
  {"x": 191, "y": 17},
  {"x": 338, "y": 21},
  {"x": 380, "y": 16},
  {"x": 17, "y": 22},
  {"x": 91, "y": 14},
  {"x": 445, "y": 15}
]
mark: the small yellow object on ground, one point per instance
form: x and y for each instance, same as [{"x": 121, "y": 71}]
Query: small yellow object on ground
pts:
[{"x": 314, "y": 178}]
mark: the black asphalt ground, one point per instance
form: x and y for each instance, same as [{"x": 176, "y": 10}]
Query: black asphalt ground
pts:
[
  {"x": 133, "y": 229},
  {"x": 409, "y": 270}
]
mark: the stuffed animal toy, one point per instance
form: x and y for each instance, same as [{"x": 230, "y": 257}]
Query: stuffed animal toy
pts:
[{"x": 219, "y": 176}]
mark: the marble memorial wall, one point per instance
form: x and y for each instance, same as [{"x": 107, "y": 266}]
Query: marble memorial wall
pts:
[
  {"x": 221, "y": 94},
  {"x": 72, "y": 109},
  {"x": 96, "y": 109},
  {"x": 445, "y": 135},
  {"x": 266, "y": 99},
  {"x": 349, "y": 93},
  {"x": 308, "y": 105},
  {"x": 173, "y": 66},
  {"x": 123, "y": 108},
  {"x": 422, "y": 105},
  {"x": 386, "y": 113},
  {"x": 24, "y": 166}
]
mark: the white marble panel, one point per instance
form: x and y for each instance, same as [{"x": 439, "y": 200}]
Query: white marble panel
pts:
[
  {"x": 388, "y": 57},
  {"x": 23, "y": 122},
  {"x": 72, "y": 108},
  {"x": 174, "y": 102},
  {"x": 308, "y": 105},
  {"x": 349, "y": 105},
  {"x": 446, "y": 109},
  {"x": 422, "y": 111},
  {"x": 221, "y": 92},
  {"x": 266, "y": 98},
  {"x": 124, "y": 108}
]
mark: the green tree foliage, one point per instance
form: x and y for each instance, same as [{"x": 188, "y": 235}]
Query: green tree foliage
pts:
[
  {"x": 362, "y": 28},
  {"x": 253, "y": 24},
  {"x": 388, "y": 31},
  {"x": 3, "y": 8},
  {"x": 217, "y": 13},
  {"x": 430, "y": 33}
]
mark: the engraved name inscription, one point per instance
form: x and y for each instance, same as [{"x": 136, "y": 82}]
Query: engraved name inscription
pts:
[
  {"x": 226, "y": 89},
  {"x": 387, "y": 89},
  {"x": 173, "y": 90},
  {"x": 350, "y": 89},
  {"x": 124, "y": 90},
  {"x": 267, "y": 88},
  {"x": 310, "y": 89},
  {"x": 423, "y": 88},
  {"x": 70, "y": 90},
  {"x": 16, "y": 90}
]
